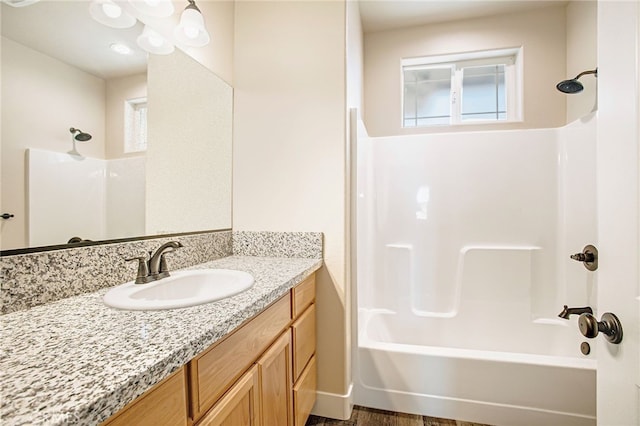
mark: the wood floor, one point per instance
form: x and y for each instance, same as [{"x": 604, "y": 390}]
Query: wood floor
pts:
[{"x": 362, "y": 416}]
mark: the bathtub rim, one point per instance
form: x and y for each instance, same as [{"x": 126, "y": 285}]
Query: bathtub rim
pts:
[{"x": 559, "y": 361}]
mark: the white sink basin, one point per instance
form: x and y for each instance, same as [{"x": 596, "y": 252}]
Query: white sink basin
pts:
[{"x": 181, "y": 289}]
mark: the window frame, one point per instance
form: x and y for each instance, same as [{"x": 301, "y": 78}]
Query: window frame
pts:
[
  {"x": 511, "y": 58},
  {"x": 129, "y": 147}
]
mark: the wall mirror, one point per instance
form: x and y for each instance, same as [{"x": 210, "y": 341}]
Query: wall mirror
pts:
[{"x": 60, "y": 71}]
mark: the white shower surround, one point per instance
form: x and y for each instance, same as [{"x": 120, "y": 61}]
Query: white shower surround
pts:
[
  {"x": 463, "y": 265},
  {"x": 91, "y": 198}
]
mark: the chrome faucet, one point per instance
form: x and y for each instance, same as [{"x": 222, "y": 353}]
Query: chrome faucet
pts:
[
  {"x": 567, "y": 311},
  {"x": 156, "y": 267}
]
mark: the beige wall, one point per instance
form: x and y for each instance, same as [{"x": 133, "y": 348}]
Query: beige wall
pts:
[
  {"x": 541, "y": 33},
  {"x": 41, "y": 99},
  {"x": 118, "y": 91},
  {"x": 582, "y": 52},
  {"x": 289, "y": 146}
]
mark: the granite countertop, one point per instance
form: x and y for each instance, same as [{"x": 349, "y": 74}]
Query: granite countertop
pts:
[{"x": 77, "y": 361}]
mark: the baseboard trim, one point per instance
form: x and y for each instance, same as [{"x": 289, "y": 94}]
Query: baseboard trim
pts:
[{"x": 333, "y": 405}]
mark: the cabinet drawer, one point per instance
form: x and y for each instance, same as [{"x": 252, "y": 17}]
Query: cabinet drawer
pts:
[
  {"x": 304, "y": 340},
  {"x": 215, "y": 370},
  {"x": 304, "y": 393},
  {"x": 303, "y": 295},
  {"x": 164, "y": 404}
]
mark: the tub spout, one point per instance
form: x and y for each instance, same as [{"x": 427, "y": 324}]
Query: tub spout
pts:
[{"x": 567, "y": 311}]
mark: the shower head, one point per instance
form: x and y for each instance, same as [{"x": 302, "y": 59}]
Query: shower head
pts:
[
  {"x": 79, "y": 135},
  {"x": 573, "y": 85}
]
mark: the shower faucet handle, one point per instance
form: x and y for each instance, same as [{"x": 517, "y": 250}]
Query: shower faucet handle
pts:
[
  {"x": 610, "y": 326},
  {"x": 589, "y": 257}
]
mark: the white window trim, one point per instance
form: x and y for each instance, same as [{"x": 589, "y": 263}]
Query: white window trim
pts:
[
  {"x": 513, "y": 75},
  {"x": 128, "y": 147}
]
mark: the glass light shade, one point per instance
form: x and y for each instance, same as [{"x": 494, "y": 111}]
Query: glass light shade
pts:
[
  {"x": 121, "y": 49},
  {"x": 20, "y": 3},
  {"x": 153, "y": 42},
  {"x": 191, "y": 31},
  {"x": 154, "y": 8},
  {"x": 110, "y": 14}
]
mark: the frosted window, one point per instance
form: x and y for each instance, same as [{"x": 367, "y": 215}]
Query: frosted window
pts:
[
  {"x": 461, "y": 88},
  {"x": 483, "y": 93},
  {"x": 135, "y": 125},
  {"x": 427, "y": 97}
]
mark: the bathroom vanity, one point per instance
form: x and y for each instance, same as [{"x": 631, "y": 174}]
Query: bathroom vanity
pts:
[
  {"x": 245, "y": 360},
  {"x": 263, "y": 373}
]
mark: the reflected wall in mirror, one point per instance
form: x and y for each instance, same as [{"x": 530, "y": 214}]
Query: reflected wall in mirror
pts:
[{"x": 50, "y": 84}]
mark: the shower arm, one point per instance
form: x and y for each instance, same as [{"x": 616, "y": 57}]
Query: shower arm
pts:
[{"x": 587, "y": 72}]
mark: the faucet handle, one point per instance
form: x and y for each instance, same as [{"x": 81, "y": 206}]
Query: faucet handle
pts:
[{"x": 142, "y": 276}]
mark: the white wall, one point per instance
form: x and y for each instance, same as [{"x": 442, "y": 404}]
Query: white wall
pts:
[
  {"x": 42, "y": 98},
  {"x": 289, "y": 149},
  {"x": 540, "y": 32}
]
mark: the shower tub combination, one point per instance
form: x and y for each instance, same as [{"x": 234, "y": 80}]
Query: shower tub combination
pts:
[{"x": 463, "y": 266}]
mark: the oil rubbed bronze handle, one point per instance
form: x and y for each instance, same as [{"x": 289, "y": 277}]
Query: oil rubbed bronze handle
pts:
[
  {"x": 589, "y": 257},
  {"x": 610, "y": 326},
  {"x": 6, "y": 216}
]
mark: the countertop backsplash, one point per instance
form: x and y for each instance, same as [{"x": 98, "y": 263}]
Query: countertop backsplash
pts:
[
  {"x": 34, "y": 279},
  {"x": 306, "y": 245}
]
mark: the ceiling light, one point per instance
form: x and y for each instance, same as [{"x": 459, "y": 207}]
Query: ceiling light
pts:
[
  {"x": 153, "y": 42},
  {"x": 110, "y": 14},
  {"x": 19, "y": 3},
  {"x": 120, "y": 48},
  {"x": 191, "y": 31},
  {"x": 112, "y": 10},
  {"x": 154, "y": 8}
]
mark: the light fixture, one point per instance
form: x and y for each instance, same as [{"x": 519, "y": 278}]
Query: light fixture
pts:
[
  {"x": 110, "y": 14},
  {"x": 19, "y": 3},
  {"x": 120, "y": 48},
  {"x": 191, "y": 31},
  {"x": 153, "y": 42},
  {"x": 154, "y": 8}
]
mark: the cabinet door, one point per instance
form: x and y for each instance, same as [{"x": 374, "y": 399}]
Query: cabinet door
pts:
[
  {"x": 240, "y": 406},
  {"x": 275, "y": 383}
]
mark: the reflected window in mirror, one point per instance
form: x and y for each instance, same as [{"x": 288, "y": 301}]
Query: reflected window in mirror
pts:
[{"x": 135, "y": 125}]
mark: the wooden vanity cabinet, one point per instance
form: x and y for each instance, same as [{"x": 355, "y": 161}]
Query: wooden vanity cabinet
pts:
[
  {"x": 215, "y": 370},
  {"x": 262, "y": 374},
  {"x": 281, "y": 342},
  {"x": 164, "y": 404}
]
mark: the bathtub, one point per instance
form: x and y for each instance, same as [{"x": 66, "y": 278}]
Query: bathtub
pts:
[
  {"x": 403, "y": 369},
  {"x": 463, "y": 244}
]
